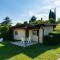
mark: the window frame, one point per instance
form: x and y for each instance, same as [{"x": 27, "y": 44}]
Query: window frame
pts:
[{"x": 16, "y": 32}]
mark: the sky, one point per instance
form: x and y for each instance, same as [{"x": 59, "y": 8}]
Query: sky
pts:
[{"x": 22, "y": 10}]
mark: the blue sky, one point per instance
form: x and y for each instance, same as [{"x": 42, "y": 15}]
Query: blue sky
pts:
[{"x": 22, "y": 10}]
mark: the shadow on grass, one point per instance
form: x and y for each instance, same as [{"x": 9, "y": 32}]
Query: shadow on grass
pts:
[
  {"x": 9, "y": 50},
  {"x": 35, "y": 50}
]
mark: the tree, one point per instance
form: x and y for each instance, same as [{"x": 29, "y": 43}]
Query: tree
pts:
[
  {"x": 7, "y": 21},
  {"x": 18, "y": 24},
  {"x": 41, "y": 21},
  {"x": 4, "y": 32},
  {"x": 5, "y": 29},
  {"x": 51, "y": 20},
  {"x": 58, "y": 21},
  {"x": 33, "y": 18},
  {"x": 25, "y": 22},
  {"x": 58, "y": 27},
  {"x": 52, "y": 16}
]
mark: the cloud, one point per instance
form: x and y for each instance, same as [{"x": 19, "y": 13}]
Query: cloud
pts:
[
  {"x": 42, "y": 11},
  {"x": 57, "y": 3},
  {"x": 38, "y": 14}
]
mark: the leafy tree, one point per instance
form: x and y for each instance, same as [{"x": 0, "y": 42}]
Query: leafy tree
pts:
[
  {"x": 33, "y": 18},
  {"x": 25, "y": 22},
  {"x": 57, "y": 27},
  {"x": 4, "y": 32},
  {"x": 18, "y": 24},
  {"x": 51, "y": 20},
  {"x": 5, "y": 29},
  {"x": 41, "y": 19},
  {"x": 7, "y": 21},
  {"x": 58, "y": 21},
  {"x": 40, "y": 22},
  {"x": 46, "y": 22}
]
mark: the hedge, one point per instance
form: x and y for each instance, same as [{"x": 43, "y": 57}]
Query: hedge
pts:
[{"x": 52, "y": 38}]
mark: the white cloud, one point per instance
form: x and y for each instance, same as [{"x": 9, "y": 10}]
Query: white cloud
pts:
[
  {"x": 43, "y": 11},
  {"x": 44, "y": 16},
  {"x": 38, "y": 14},
  {"x": 57, "y": 2},
  {"x": 47, "y": 7},
  {"x": 31, "y": 13}
]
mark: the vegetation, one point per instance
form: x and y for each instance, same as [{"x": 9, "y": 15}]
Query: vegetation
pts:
[
  {"x": 54, "y": 37},
  {"x": 25, "y": 22},
  {"x": 52, "y": 17},
  {"x": 7, "y": 21},
  {"x": 58, "y": 21},
  {"x": 32, "y": 20},
  {"x": 35, "y": 52},
  {"x": 5, "y": 29},
  {"x": 57, "y": 27},
  {"x": 41, "y": 21},
  {"x": 51, "y": 20}
]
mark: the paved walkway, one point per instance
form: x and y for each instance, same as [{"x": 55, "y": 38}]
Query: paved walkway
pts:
[{"x": 24, "y": 44}]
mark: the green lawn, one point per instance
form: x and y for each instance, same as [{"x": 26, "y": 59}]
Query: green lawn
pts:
[{"x": 35, "y": 52}]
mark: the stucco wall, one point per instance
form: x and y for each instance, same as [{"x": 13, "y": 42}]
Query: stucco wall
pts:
[
  {"x": 41, "y": 35},
  {"x": 30, "y": 34},
  {"x": 47, "y": 30},
  {"x": 20, "y": 35},
  {"x": 33, "y": 37}
]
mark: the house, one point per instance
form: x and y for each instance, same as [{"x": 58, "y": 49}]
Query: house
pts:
[{"x": 32, "y": 32}]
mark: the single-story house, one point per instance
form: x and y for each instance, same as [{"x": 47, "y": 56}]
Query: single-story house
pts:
[{"x": 32, "y": 32}]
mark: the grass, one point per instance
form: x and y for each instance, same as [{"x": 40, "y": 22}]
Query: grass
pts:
[{"x": 34, "y": 52}]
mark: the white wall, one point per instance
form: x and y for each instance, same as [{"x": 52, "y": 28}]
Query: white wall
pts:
[
  {"x": 20, "y": 35},
  {"x": 33, "y": 37},
  {"x": 41, "y": 35},
  {"x": 47, "y": 30},
  {"x": 30, "y": 34}
]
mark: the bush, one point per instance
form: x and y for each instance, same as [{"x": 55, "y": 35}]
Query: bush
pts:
[
  {"x": 53, "y": 38},
  {"x": 6, "y": 33},
  {"x": 46, "y": 39}
]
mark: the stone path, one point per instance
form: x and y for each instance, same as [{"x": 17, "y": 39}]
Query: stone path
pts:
[{"x": 20, "y": 43}]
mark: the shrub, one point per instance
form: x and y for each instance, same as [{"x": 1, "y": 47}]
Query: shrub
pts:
[
  {"x": 6, "y": 33},
  {"x": 53, "y": 38},
  {"x": 46, "y": 39}
]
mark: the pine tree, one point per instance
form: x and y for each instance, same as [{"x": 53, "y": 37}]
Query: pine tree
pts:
[{"x": 52, "y": 15}]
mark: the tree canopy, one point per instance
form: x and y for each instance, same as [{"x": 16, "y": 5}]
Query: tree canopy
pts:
[
  {"x": 58, "y": 21},
  {"x": 33, "y": 18},
  {"x": 7, "y": 21},
  {"x": 5, "y": 28},
  {"x": 52, "y": 17},
  {"x": 57, "y": 27},
  {"x": 25, "y": 22}
]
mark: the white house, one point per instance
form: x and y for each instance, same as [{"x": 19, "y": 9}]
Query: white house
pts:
[{"x": 32, "y": 32}]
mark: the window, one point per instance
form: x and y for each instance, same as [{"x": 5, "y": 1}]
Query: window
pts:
[
  {"x": 16, "y": 33},
  {"x": 36, "y": 32}
]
